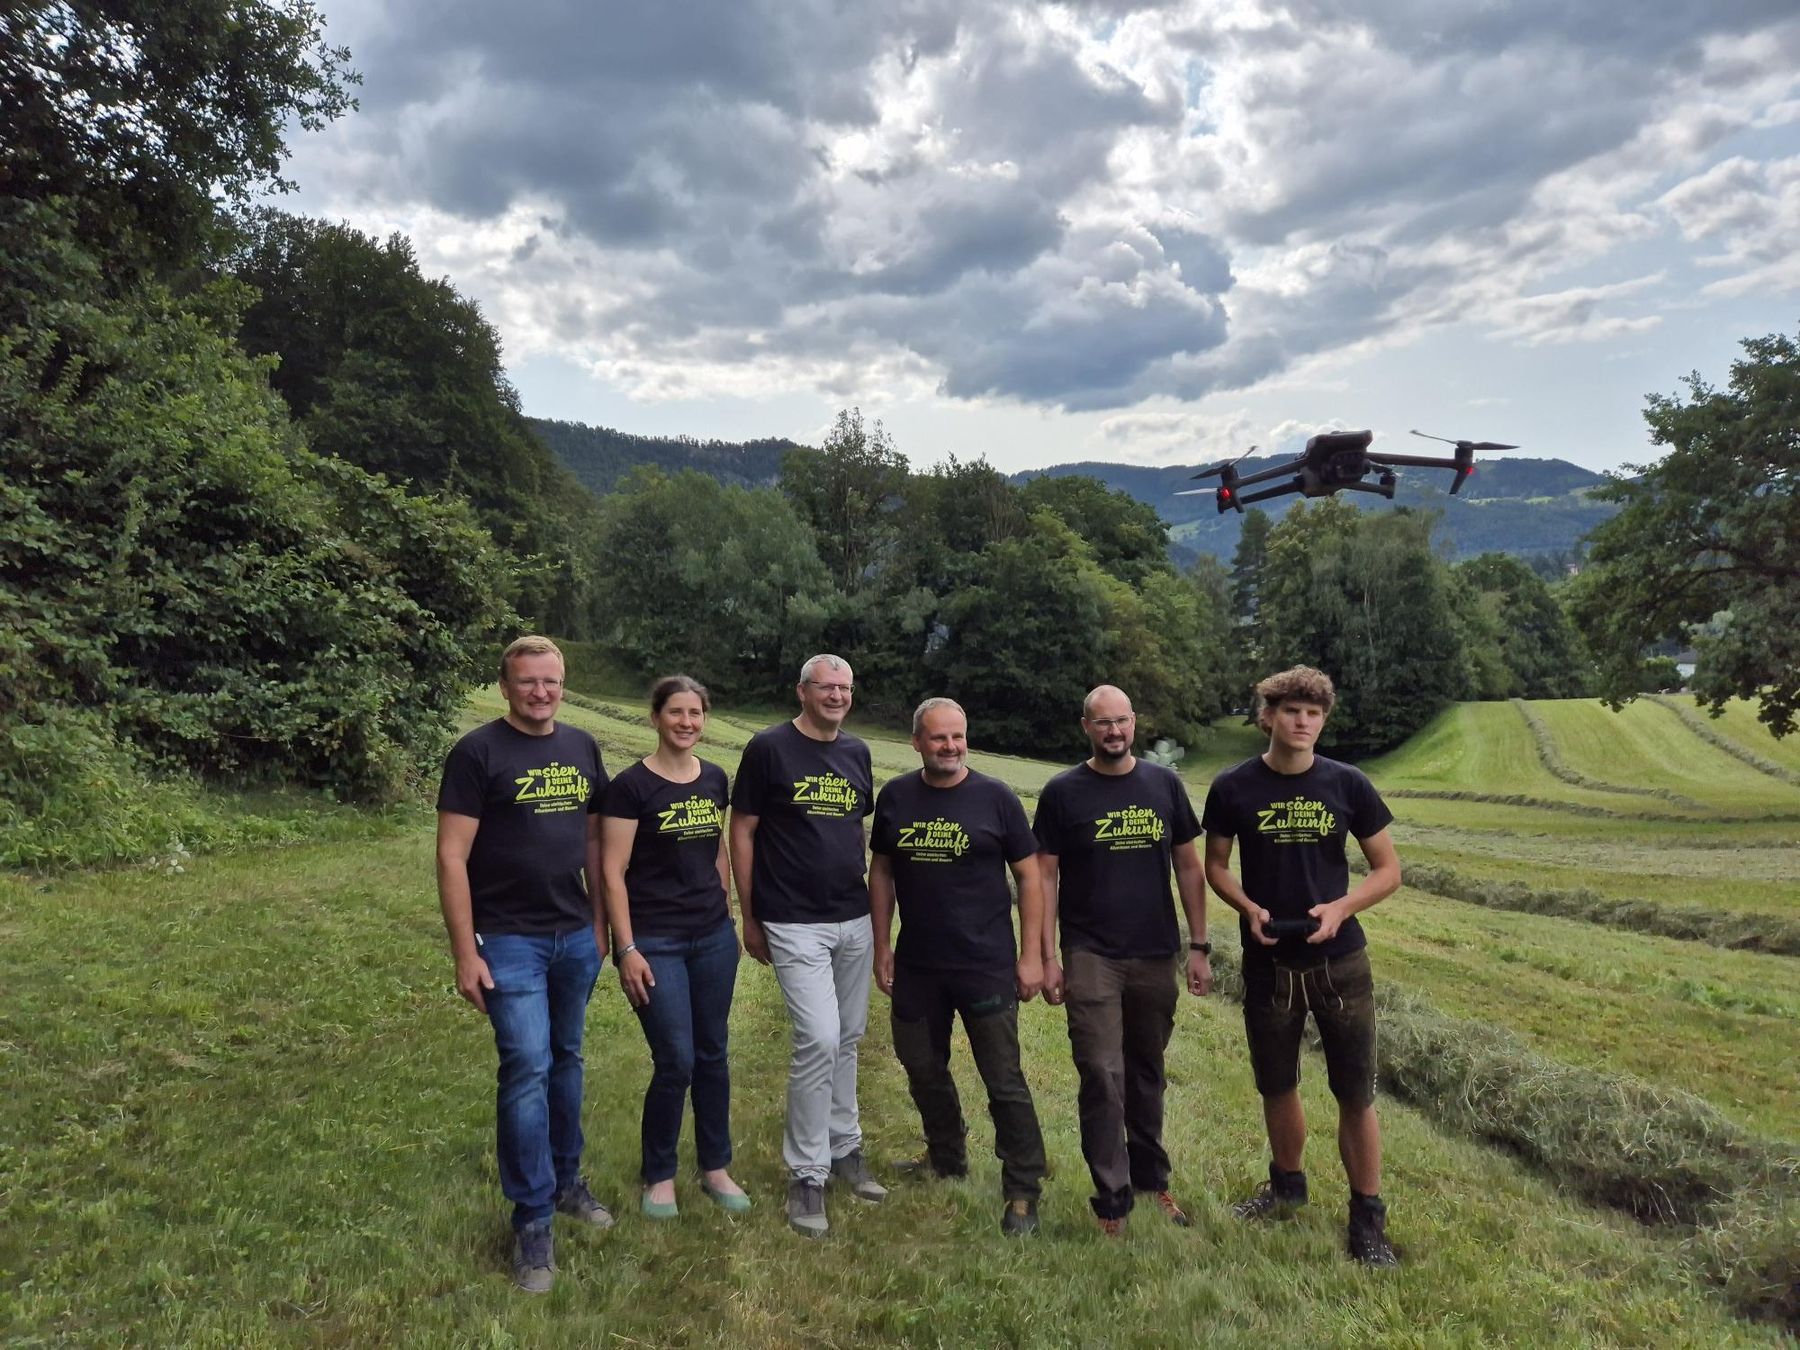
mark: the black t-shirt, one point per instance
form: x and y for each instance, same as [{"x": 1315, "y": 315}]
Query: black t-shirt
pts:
[
  {"x": 1112, "y": 835},
  {"x": 672, "y": 878},
  {"x": 1291, "y": 831},
  {"x": 949, "y": 849},
  {"x": 533, "y": 796},
  {"x": 809, "y": 798}
]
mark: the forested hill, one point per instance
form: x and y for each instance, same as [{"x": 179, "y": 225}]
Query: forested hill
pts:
[
  {"x": 600, "y": 456},
  {"x": 1511, "y": 505}
]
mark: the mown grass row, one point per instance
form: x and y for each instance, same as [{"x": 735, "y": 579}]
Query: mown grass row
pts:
[
  {"x": 1552, "y": 760},
  {"x": 1663, "y": 1156},
  {"x": 1711, "y": 735},
  {"x": 1735, "y": 930}
]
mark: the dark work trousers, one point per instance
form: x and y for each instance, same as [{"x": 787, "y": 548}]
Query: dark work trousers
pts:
[
  {"x": 1121, "y": 1014},
  {"x": 924, "y": 1003}
]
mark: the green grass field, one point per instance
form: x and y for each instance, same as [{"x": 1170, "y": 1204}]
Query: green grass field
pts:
[
  {"x": 244, "y": 1106},
  {"x": 258, "y": 1115}
]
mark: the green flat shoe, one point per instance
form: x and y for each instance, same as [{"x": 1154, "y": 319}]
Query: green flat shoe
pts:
[
  {"x": 730, "y": 1202},
  {"x": 657, "y": 1209}
]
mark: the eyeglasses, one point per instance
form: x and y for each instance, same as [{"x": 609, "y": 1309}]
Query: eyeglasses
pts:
[
  {"x": 1112, "y": 723},
  {"x": 831, "y": 688},
  {"x": 548, "y": 686}
]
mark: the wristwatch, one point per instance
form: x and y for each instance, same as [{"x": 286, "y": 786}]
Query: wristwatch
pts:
[{"x": 1204, "y": 948}]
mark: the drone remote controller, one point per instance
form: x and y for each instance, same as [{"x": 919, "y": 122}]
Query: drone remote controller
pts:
[{"x": 1290, "y": 928}]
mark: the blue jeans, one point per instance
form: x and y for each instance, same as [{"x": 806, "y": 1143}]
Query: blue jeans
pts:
[
  {"x": 685, "y": 1024},
  {"x": 538, "y": 1006}
]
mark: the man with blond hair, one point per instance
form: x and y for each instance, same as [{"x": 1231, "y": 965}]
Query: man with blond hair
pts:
[
  {"x": 798, "y": 858},
  {"x": 518, "y": 872},
  {"x": 1290, "y": 812}
]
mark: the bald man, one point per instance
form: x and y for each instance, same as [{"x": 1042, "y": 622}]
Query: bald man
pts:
[{"x": 1109, "y": 831}]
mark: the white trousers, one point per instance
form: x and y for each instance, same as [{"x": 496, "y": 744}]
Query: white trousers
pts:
[{"x": 824, "y": 973}]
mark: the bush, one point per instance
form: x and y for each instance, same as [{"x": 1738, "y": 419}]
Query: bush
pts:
[{"x": 171, "y": 562}]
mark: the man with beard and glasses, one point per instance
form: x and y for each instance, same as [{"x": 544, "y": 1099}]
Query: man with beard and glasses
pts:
[
  {"x": 1109, "y": 831},
  {"x": 942, "y": 842}
]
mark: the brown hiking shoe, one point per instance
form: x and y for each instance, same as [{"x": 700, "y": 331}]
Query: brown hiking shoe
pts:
[
  {"x": 1113, "y": 1228},
  {"x": 1166, "y": 1203}
]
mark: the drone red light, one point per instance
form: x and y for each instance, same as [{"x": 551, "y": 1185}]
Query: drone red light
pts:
[{"x": 1224, "y": 494}]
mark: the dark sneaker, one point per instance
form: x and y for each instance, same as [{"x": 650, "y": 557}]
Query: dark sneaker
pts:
[
  {"x": 926, "y": 1166},
  {"x": 1113, "y": 1228},
  {"x": 534, "y": 1258},
  {"x": 1276, "y": 1198},
  {"x": 1366, "y": 1237},
  {"x": 578, "y": 1202},
  {"x": 854, "y": 1172},
  {"x": 806, "y": 1208},
  {"x": 1019, "y": 1218},
  {"x": 1171, "y": 1211},
  {"x": 1371, "y": 1247}
]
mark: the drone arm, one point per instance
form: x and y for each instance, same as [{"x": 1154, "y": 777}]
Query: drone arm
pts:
[
  {"x": 1415, "y": 461},
  {"x": 1246, "y": 499},
  {"x": 1380, "y": 489},
  {"x": 1265, "y": 475}
]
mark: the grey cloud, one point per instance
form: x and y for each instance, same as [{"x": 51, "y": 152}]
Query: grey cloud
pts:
[{"x": 959, "y": 185}]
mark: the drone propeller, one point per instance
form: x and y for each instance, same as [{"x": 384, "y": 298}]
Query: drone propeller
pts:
[
  {"x": 1222, "y": 466},
  {"x": 1466, "y": 445},
  {"x": 1197, "y": 492}
]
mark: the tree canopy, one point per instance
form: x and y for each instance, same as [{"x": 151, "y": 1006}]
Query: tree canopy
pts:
[
  {"x": 142, "y": 113},
  {"x": 1707, "y": 546}
]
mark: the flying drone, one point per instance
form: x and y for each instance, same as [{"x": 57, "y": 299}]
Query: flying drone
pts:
[{"x": 1331, "y": 462}]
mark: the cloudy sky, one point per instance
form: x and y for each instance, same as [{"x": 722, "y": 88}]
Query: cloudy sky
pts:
[{"x": 1155, "y": 232}]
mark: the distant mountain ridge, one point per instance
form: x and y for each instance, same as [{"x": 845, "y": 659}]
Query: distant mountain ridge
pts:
[
  {"x": 600, "y": 456},
  {"x": 1511, "y": 505}
]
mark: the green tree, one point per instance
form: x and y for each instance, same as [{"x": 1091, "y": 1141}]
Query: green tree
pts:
[
  {"x": 847, "y": 491},
  {"x": 1027, "y": 638},
  {"x": 402, "y": 376},
  {"x": 146, "y": 113},
  {"x": 1363, "y": 597},
  {"x": 1707, "y": 545},
  {"x": 171, "y": 557},
  {"x": 1537, "y": 645},
  {"x": 1126, "y": 537},
  {"x": 720, "y": 582}
]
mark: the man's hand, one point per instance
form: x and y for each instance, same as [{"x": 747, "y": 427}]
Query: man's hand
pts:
[
  {"x": 1053, "y": 981},
  {"x": 1331, "y": 918},
  {"x": 884, "y": 969},
  {"x": 1258, "y": 917},
  {"x": 472, "y": 978},
  {"x": 1030, "y": 976},
  {"x": 754, "y": 941},
  {"x": 636, "y": 979},
  {"x": 1199, "y": 974}
]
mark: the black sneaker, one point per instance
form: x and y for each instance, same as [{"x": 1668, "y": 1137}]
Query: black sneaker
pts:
[
  {"x": 854, "y": 1172},
  {"x": 1276, "y": 1198},
  {"x": 1019, "y": 1218},
  {"x": 534, "y": 1258},
  {"x": 578, "y": 1202},
  {"x": 1366, "y": 1237}
]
